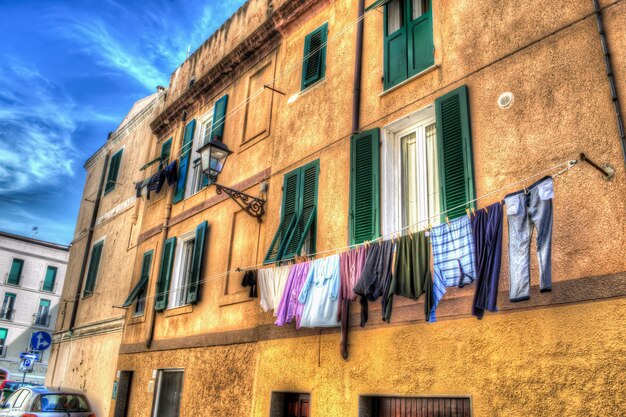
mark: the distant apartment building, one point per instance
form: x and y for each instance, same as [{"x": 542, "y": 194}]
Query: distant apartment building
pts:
[{"x": 32, "y": 273}]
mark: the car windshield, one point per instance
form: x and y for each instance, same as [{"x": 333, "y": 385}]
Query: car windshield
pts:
[{"x": 61, "y": 402}]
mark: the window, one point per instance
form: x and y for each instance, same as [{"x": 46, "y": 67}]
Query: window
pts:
[
  {"x": 8, "y": 304},
  {"x": 197, "y": 178},
  {"x": 414, "y": 406},
  {"x": 114, "y": 169},
  {"x": 42, "y": 317},
  {"x": 166, "y": 150},
  {"x": 408, "y": 43},
  {"x": 184, "y": 257},
  {"x": 61, "y": 403},
  {"x": 168, "y": 393},
  {"x": 289, "y": 404},
  {"x": 298, "y": 215},
  {"x": 94, "y": 266},
  {"x": 122, "y": 398},
  {"x": 3, "y": 342},
  {"x": 314, "y": 62},
  {"x": 15, "y": 274},
  {"x": 49, "y": 281},
  {"x": 139, "y": 291},
  {"x": 427, "y": 165}
]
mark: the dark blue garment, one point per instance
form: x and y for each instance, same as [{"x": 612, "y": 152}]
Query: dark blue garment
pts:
[{"x": 487, "y": 231}]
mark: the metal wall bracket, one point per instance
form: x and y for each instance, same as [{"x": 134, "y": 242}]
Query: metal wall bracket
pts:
[
  {"x": 607, "y": 170},
  {"x": 252, "y": 205}
]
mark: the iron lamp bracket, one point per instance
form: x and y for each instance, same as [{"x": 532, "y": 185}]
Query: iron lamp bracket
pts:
[{"x": 254, "y": 206}]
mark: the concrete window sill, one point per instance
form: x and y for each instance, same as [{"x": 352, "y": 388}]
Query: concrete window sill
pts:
[
  {"x": 408, "y": 80},
  {"x": 178, "y": 311}
]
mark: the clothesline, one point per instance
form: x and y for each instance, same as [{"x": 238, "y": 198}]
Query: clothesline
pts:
[{"x": 561, "y": 167}]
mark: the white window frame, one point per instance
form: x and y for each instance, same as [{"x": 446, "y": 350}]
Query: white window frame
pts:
[
  {"x": 391, "y": 175},
  {"x": 194, "y": 183},
  {"x": 179, "y": 282},
  {"x": 155, "y": 411}
]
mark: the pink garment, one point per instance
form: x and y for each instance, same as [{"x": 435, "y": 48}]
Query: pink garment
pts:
[
  {"x": 350, "y": 266},
  {"x": 289, "y": 306}
]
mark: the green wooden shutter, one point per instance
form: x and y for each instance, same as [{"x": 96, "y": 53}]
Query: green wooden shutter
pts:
[
  {"x": 289, "y": 217},
  {"x": 219, "y": 118},
  {"x": 92, "y": 271},
  {"x": 51, "y": 275},
  {"x": 454, "y": 142},
  {"x": 196, "y": 263},
  {"x": 165, "y": 275},
  {"x": 184, "y": 163},
  {"x": 166, "y": 150},
  {"x": 307, "y": 207},
  {"x": 3, "y": 336},
  {"x": 420, "y": 40},
  {"x": 314, "y": 62},
  {"x": 364, "y": 187},
  {"x": 395, "y": 48},
  {"x": 114, "y": 168},
  {"x": 143, "y": 279},
  {"x": 15, "y": 274}
]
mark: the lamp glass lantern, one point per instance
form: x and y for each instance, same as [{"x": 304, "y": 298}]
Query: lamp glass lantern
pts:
[{"x": 213, "y": 155}]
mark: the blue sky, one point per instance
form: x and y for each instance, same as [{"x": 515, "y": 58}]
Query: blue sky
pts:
[{"x": 69, "y": 72}]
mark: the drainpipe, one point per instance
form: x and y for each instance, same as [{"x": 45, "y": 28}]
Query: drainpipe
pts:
[
  {"x": 92, "y": 224},
  {"x": 611, "y": 79},
  {"x": 356, "y": 113}
]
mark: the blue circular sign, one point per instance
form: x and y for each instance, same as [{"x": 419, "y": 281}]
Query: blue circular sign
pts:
[{"x": 40, "y": 341}]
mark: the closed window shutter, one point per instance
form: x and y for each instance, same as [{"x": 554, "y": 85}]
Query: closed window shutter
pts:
[
  {"x": 420, "y": 42},
  {"x": 94, "y": 265},
  {"x": 165, "y": 274},
  {"x": 16, "y": 272},
  {"x": 456, "y": 173},
  {"x": 48, "y": 283},
  {"x": 143, "y": 280},
  {"x": 183, "y": 165},
  {"x": 307, "y": 209},
  {"x": 364, "y": 187},
  {"x": 196, "y": 264},
  {"x": 314, "y": 63},
  {"x": 166, "y": 150},
  {"x": 395, "y": 48},
  {"x": 289, "y": 218},
  {"x": 219, "y": 118},
  {"x": 114, "y": 167}
]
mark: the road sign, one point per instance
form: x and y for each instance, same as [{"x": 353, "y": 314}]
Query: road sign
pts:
[
  {"x": 26, "y": 365},
  {"x": 31, "y": 356},
  {"x": 40, "y": 341}
]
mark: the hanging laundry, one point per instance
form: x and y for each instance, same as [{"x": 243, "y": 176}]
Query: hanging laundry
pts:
[
  {"x": 320, "y": 293},
  {"x": 271, "y": 282},
  {"x": 375, "y": 277},
  {"x": 487, "y": 231},
  {"x": 351, "y": 264},
  {"x": 171, "y": 173},
  {"x": 453, "y": 258},
  {"x": 411, "y": 277},
  {"x": 155, "y": 183},
  {"x": 249, "y": 280},
  {"x": 526, "y": 209},
  {"x": 140, "y": 187},
  {"x": 289, "y": 306}
]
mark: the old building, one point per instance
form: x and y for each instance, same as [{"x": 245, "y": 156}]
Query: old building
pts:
[
  {"x": 32, "y": 274},
  {"x": 89, "y": 327},
  {"x": 349, "y": 122}
]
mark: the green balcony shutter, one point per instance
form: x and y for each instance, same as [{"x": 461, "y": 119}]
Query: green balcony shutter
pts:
[
  {"x": 15, "y": 274},
  {"x": 114, "y": 168},
  {"x": 166, "y": 150},
  {"x": 92, "y": 271},
  {"x": 420, "y": 41},
  {"x": 364, "y": 187},
  {"x": 143, "y": 279},
  {"x": 183, "y": 164},
  {"x": 219, "y": 118},
  {"x": 51, "y": 275},
  {"x": 307, "y": 211},
  {"x": 314, "y": 62},
  {"x": 165, "y": 275},
  {"x": 456, "y": 173},
  {"x": 289, "y": 217},
  {"x": 196, "y": 263},
  {"x": 395, "y": 47}
]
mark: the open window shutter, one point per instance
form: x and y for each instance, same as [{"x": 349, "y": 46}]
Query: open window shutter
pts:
[
  {"x": 219, "y": 118},
  {"x": 420, "y": 41},
  {"x": 314, "y": 64},
  {"x": 183, "y": 165},
  {"x": 92, "y": 272},
  {"x": 395, "y": 49},
  {"x": 364, "y": 187},
  {"x": 456, "y": 173},
  {"x": 114, "y": 167},
  {"x": 143, "y": 280},
  {"x": 196, "y": 263},
  {"x": 165, "y": 274},
  {"x": 289, "y": 216},
  {"x": 166, "y": 150},
  {"x": 308, "y": 210}
]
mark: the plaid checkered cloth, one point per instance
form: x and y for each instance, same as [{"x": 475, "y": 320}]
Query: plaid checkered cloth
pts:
[{"x": 454, "y": 257}]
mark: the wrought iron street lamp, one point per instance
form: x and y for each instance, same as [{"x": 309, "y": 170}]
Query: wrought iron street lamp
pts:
[{"x": 213, "y": 156}]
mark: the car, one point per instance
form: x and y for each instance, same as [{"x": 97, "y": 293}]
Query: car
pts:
[
  {"x": 46, "y": 402},
  {"x": 9, "y": 387}
]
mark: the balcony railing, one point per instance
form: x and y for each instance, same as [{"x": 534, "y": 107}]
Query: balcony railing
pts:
[
  {"x": 3, "y": 351},
  {"x": 41, "y": 319},
  {"x": 6, "y": 314}
]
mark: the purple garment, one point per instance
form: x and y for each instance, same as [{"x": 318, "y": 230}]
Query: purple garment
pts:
[{"x": 289, "y": 306}]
